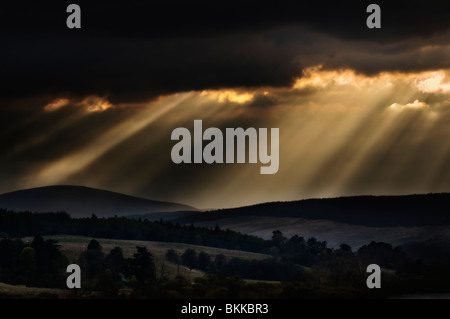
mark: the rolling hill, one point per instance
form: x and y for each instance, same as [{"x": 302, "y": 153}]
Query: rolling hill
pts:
[
  {"x": 81, "y": 201},
  {"x": 372, "y": 211},
  {"x": 352, "y": 220}
]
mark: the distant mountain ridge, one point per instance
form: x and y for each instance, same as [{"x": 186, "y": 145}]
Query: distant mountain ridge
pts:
[
  {"x": 352, "y": 220},
  {"x": 80, "y": 201},
  {"x": 372, "y": 211}
]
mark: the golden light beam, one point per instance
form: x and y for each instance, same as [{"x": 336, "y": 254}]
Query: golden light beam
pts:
[
  {"x": 44, "y": 135},
  {"x": 63, "y": 168}
]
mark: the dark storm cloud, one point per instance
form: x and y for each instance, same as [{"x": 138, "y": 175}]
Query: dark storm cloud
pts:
[
  {"x": 128, "y": 70},
  {"x": 344, "y": 18},
  {"x": 135, "y": 51}
]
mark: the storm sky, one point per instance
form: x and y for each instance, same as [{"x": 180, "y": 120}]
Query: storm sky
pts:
[{"x": 359, "y": 111}]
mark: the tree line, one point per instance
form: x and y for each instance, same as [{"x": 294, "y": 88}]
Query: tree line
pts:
[
  {"x": 22, "y": 224},
  {"x": 264, "y": 269}
]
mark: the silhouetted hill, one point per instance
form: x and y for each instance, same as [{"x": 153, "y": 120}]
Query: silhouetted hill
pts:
[
  {"x": 81, "y": 201},
  {"x": 372, "y": 211},
  {"x": 352, "y": 220},
  {"x": 179, "y": 214}
]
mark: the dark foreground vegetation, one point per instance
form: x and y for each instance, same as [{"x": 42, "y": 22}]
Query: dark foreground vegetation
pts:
[{"x": 297, "y": 267}]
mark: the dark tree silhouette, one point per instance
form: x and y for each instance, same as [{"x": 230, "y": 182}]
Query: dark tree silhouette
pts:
[
  {"x": 345, "y": 249},
  {"x": 172, "y": 256},
  {"x": 116, "y": 264},
  {"x": 203, "y": 260},
  {"x": 383, "y": 254},
  {"x": 94, "y": 245},
  {"x": 51, "y": 263},
  {"x": 92, "y": 260},
  {"x": 143, "y": 268},
  {"x": 28, "y": 264},
  {"x": 278, "y": 239},
  {"x": 189, "y": 258},
  {"x": 219, "y": 261}
]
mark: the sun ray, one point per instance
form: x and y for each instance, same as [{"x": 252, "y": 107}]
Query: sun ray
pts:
[{"x": 63, "y": 168}]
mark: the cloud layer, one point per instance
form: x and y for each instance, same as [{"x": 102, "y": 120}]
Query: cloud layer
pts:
[{"x": 136, "y": 52}]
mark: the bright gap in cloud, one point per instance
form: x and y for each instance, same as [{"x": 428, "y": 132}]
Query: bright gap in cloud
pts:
[
  {"x": 433, "y": 82},
  {"x": 413, "y": 105},
  {"x": 228, "y": 96}
]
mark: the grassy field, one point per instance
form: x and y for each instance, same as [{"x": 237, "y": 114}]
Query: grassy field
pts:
[{"x": 30, "y": 292}]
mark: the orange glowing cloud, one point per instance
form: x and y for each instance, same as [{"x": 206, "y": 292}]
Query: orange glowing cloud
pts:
[
  {"x": 413, "y": 105},
  {"x": 96, "y": 104},
  {"x": 432, "y": 82},
  {"x": 56, "y": 104},
  {"x": 228, "y": 96},
  {"x": 90, "y": 104}
]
